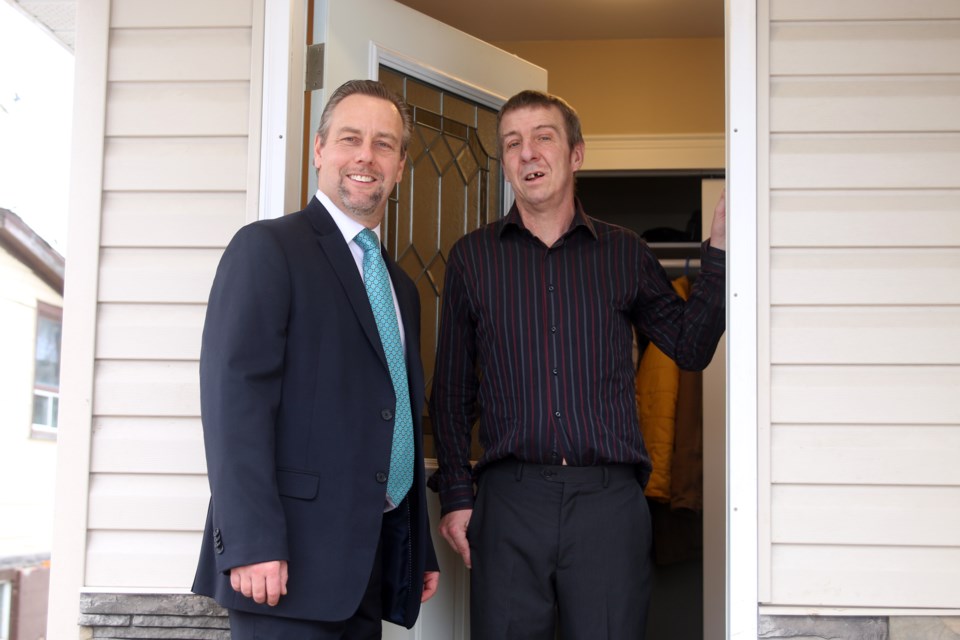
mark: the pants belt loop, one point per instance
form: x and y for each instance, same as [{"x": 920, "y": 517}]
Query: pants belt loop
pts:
[
  {"x": 606, "y": 477},
  {"x": 518, "y": 474}
]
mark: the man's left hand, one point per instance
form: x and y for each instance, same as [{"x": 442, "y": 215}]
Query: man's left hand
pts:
[
  {"x": 430, "y": 581},
  {"x": 718, "y": 229}
]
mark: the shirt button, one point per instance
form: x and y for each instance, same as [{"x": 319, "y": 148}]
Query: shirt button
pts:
[
  {"x": 386, "y": 414},
  {"x": 553, "y": 329},
  {"x": 550, "y": 288},
  {"x": 554, "y": 372},
  {"x": 381, "y": 477},
  {"x": 556, "y": 413}
]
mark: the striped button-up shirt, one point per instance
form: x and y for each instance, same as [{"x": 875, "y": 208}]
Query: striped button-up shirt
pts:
[{"x": 536, "y": 342}]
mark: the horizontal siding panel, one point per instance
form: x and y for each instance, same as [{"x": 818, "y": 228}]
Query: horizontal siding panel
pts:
[
  {"x": 117, "y": 559},
  {"x": 865, "y": 335},
  {"x": 865, "y": 161},
  {"x": 129, "y": 502},
  {"x": 930, "y": 103},
  {"x": 849, "y": 576},
  {"x": 869, "y": 454},
  {"x": 147, "y": 445},
  {"x": 864, "y": 276},
  {"x": 146, "y": 389},
  {"x": 175, "y": 164},
  {"x": 865, "y": 218},
  {"x": 179, "y": 54},
  {"x": 178, "y": 109},
  {"x": 881, "y": 515},
  {"x": 181, "y": 13},
  {"x": 170, "y": 219},
  {"x": 865, "y": 48},
  {"x": 157, "y": 275},
  {"x": 863, "y": 9},
  {"x": 865, "y": 395},
  {"x": 149, "y": 331}
]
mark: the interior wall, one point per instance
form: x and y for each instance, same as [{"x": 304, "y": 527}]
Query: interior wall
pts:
[{"x": 635, "y": 87}]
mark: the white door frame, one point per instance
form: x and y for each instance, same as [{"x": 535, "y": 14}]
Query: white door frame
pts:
[
  {"x": 281, "y": 127},
  {"x": 742, "y": 398}
]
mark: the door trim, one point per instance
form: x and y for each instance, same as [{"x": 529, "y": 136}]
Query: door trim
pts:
[{"x": 742, "y": 565}]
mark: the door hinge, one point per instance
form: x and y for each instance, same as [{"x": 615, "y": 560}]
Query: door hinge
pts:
[{"x": 314, "y": 74}]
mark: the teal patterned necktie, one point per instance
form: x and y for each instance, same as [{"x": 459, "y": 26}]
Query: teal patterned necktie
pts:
[{"x": 377, "y": 281}]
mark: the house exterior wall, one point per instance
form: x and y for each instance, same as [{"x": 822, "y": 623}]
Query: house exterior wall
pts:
[
  {"x": 175, "y": 189},
  {"x": 161, "y": 186},
  {"x": 859, "y": 315},
  {"x": 28, "y": 463}
]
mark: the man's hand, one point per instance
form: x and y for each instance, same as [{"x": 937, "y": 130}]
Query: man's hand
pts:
[
  {"x": 430, "y": 581},
  {"x": 264, "y": 581},
  {"x": 453, "y": 528},
  {"x": 718, "y": 228}
]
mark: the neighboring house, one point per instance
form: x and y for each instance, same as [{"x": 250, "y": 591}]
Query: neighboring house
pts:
[
  {"x": 31, "y": 310},
  {"x": 843, "y": 139}
]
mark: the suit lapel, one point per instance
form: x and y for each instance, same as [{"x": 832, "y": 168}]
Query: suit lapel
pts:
[{"x": 338, "y": 253}]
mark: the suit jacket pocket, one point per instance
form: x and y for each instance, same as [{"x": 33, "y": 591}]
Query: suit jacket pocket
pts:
[{"x": 298, "y": 484}]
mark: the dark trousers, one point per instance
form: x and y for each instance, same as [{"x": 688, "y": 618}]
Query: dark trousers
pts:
[
  {"x": 559, "y": 550},
  {"x": 363, "y": 625}
]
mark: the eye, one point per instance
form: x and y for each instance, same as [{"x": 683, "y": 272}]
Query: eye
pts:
[
  {"x": 510, "y": 144},
  {"x": 350, "y": 139}
]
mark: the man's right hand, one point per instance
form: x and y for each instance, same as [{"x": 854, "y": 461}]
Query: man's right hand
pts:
[
  {"x": 453, "y": 528},
  {"x": 265, "y": 582}
]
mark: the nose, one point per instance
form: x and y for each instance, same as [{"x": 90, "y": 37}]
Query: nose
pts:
[
  {"x": 528, "y": 151},
  {"x": 365, "y": 152}
]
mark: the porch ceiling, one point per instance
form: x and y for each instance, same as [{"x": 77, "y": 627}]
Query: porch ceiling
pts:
[
  {"x": 505, "y": 20},
  {"x": 57, "y": 17}
]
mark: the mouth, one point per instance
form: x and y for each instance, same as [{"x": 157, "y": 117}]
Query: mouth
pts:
[
  {"x": 533, "y": 176},
  {"x": 359, "y": 177}
]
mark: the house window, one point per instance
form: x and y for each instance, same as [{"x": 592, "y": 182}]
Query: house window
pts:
[
  {"x": 6, "y": 596},
  {"x": 46, "y": 384}
]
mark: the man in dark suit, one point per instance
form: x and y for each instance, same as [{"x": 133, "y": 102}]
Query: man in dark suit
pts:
[{"x": 317, "y": 526}]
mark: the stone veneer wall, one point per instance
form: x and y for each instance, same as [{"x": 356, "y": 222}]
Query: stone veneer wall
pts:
[
  {"x": 859, "y": 628},
  {"x": 190, "y": 617},
  {"x": 152, "y": 616}
]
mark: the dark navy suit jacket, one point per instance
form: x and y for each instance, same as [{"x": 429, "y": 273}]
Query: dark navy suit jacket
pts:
[{"x": 298, "y": 412}]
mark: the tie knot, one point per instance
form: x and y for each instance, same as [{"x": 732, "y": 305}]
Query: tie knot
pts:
[{"x": 367, "y": 240}]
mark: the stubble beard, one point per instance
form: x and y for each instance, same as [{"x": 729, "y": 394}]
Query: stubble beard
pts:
[{"x": 360, "y": 206}]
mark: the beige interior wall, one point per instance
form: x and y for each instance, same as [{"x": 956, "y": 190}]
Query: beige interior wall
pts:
[{"x": 636, "y": 87}]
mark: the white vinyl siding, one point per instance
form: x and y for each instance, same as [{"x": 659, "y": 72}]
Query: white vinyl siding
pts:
[
  {"x": 175, "y": 188},
  {"x": 863, "y": 104}
]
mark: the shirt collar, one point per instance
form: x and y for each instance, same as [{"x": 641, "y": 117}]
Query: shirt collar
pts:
[
  {"x": 347, "y": 225},
  {"x": 580, "y": 219}
]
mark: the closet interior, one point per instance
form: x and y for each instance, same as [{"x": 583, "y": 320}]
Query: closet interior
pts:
[{"x": 664, "y": 207}]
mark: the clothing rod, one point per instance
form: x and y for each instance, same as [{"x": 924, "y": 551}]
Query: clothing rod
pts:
[{"x": 680, "y": 263}]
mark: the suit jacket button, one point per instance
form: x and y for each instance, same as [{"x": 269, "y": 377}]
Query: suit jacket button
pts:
[
  {"x": 386, "y": 414},
  {"x": 381, "y": 477}
]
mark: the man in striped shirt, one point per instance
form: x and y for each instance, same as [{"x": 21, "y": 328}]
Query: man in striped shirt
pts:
[{"x": 536, "y": 343}]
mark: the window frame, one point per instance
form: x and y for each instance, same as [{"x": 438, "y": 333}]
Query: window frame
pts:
[{"x": 40, "y": 430}]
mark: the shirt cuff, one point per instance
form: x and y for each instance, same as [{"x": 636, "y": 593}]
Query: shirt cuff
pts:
[
  {"x": 711, "y": 258},
  {"x": 456, "y": 498}
]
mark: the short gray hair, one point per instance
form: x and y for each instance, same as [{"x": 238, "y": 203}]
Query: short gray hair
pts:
[{"x": 373, "y": 89}]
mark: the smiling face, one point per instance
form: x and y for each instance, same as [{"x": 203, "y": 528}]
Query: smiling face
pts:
[
  {"x": 538, "y": 160},
  {"x": 361, "y": 159}
]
